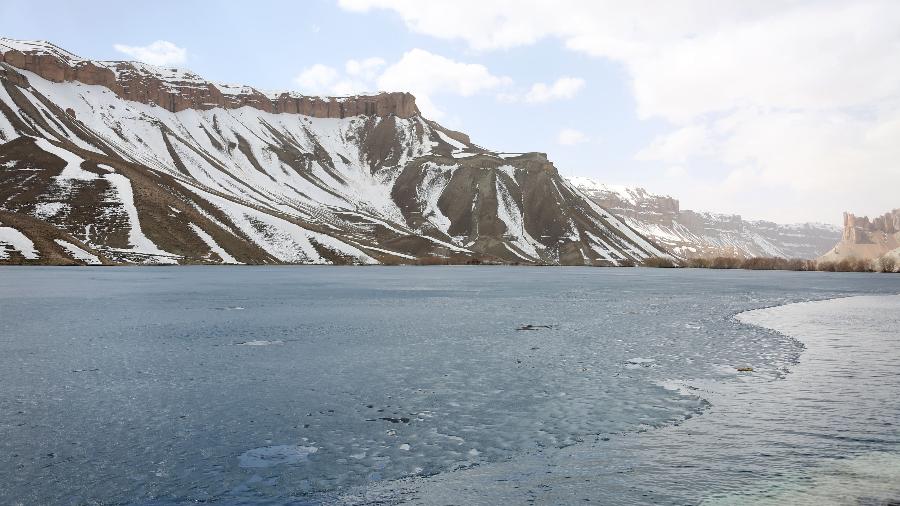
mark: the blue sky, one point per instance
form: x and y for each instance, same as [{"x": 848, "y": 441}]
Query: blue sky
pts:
[{"x": 726, "y": 107}]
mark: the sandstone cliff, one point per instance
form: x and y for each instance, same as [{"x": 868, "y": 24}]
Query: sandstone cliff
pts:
[
  {"x": 867, "y": 239},
  {"x": 177, "y": 90}
]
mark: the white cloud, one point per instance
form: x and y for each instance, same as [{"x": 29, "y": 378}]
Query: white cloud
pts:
[
  {"x": 562, "y": 88},
  {"x": 358, "y": 77},
  {"x": 801, "y": 94},
  {"x": 365, "y": 69},
  {"x": 679, "y": 145},
  {"x": 161, "y": 53},
  {"x": 317, "y": 80},
  {"x": 419, "y": 72},
  {"x": 463, "y": 19},
  {"x": 571, "y": 137}
]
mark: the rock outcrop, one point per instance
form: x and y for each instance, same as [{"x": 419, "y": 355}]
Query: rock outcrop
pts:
[
  {"x": 177, "y": 90},
  {"x": 866, "y": 239}
]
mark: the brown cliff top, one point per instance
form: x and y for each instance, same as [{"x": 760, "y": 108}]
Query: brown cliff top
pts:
[{"x": 178, "y": 90}]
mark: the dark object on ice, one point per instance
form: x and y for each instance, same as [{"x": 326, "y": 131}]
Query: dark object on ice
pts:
[
  {"x": 745, "y": 369},
  {"x": 534, "y": 327},
  {"x": 402, "y": 419}
]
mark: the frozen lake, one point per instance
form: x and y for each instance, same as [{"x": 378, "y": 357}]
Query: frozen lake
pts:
[{"x": 257, "y": 385}]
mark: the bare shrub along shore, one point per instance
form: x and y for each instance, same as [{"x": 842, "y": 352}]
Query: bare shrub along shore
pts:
[{"x": 883, "y": 264}]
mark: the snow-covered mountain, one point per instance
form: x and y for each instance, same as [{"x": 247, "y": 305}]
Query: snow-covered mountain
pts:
[
  {"x": 124, "y": 162},
  {"x": 689, "y": 234}
]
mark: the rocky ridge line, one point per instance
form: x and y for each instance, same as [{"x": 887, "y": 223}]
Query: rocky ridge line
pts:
[{"x": 177, "y": 90}]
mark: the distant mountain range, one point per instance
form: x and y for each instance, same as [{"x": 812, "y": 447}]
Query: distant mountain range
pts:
[
  {"x": 122, "y": 162},
  {"x": 689, "y": 234}
]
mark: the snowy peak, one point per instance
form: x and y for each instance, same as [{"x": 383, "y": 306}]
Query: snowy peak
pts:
[
  {"x": 177, "y": 89},
  {"x": 39, "y": 47},
  {"x": 630, "y": 194}
]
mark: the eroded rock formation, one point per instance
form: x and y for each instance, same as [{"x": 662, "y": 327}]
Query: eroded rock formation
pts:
[{"x": 177, "y": 90}]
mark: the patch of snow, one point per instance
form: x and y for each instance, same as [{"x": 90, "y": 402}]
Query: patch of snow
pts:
[
  {"x": 78, "y": 253},
  {"x": 509, "y": 170},
  {"x": 12, "y": 238},
  {"x": 39, "y": 46},
  {"x": 213, "y": 246},
  {"x": 509, "y": 213},
  {"x": 434, "y": 181},
  {"x": 139, "y": 242},
  {"x": 44, "y": 210},
  {"x": 389, "y": 252},
  {"x": 601, "y": 248},
  {"x": 285, "y": 240},
  {"x": 636, "y": 246},
  {"x": 72, "y": 171},
  {"x": 451, "y": 141},
  {"x": 627, "y": 194}
]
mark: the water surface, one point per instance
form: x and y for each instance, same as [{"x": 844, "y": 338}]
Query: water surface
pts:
[{"x": 279, "y": 385}]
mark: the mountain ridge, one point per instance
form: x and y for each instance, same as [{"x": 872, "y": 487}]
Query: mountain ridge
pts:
[
  {"x": 690, "y": 234},
  {"x": 139, "y": 182},
  {"x": 177, "y": 89}
]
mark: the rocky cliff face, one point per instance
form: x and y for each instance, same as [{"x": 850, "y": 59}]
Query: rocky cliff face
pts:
[
  {"x": 867, "y": 239},
  {"x": 119, "y": 162},
  {"x": 859, "y": 229},
  {"x": 687, "y": 234},
  {"x": 178, "y": 90}
]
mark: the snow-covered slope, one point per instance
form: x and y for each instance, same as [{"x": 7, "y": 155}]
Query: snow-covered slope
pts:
[
  {"x": 689, "y": 234},
  {"x": 130, "y": 163}
]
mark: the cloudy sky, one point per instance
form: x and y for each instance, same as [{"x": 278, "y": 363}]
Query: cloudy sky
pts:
[{"x": 781, "y": 110}]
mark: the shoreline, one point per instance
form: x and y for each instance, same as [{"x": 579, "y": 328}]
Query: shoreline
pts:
[
  {"x": 443, "y": 487},
  {"x": 424, "y": 265}
]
